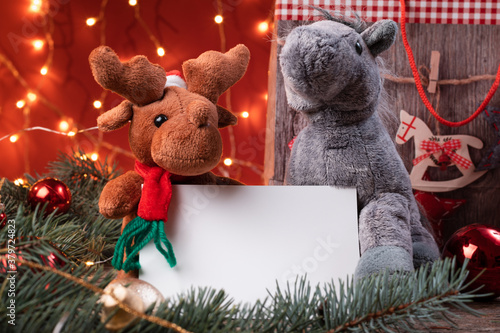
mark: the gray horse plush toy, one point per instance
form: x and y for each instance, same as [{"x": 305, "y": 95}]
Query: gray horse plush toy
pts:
[{"x": 332, "y": 77}]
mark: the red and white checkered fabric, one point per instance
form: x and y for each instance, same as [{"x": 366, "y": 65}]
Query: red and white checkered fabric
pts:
[
  {"x": 417, "y": 11},
  {"x": 448, "y": 148}
]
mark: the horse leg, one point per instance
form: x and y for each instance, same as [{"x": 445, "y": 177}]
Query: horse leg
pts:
[
  {"x": 384, "y": 235},
  {"x": 425, "y": 249}
]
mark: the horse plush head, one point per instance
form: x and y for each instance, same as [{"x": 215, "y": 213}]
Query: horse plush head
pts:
[
  {"x": 172, "y": 125},
  {"x": 332, "y": 63}
]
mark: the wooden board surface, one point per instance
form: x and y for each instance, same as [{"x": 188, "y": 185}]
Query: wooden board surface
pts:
[{"x": 466, "y": 50}]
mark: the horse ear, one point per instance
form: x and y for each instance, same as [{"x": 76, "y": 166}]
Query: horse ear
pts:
[{"x": 380, "y": 36}]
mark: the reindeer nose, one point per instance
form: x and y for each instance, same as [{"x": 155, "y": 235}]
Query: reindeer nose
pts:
[{"x": 198, "y": 113}]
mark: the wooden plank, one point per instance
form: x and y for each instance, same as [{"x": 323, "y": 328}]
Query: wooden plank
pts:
[{"x": 466, "y": 50}]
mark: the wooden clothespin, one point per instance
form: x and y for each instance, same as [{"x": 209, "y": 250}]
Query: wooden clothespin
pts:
[{"x": 434, "y": 75}]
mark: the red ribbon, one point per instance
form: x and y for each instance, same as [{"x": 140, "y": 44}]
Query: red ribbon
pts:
[{"x": 448, "y": 148}]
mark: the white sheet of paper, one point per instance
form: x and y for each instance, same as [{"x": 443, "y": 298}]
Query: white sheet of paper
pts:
[{"x": 245, "y": 239}]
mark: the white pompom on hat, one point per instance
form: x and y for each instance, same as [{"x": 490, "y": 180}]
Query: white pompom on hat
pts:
[{"x": 174, "y": 78}]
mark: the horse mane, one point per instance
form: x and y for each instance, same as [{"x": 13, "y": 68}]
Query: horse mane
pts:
[{"x": 354, "y": 21}]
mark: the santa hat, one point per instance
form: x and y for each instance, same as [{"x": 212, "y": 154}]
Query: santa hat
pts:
[{"x": 174, "y": 78}]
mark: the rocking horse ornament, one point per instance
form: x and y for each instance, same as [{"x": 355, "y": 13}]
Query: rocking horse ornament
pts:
[{"x": 438, "y": 150}]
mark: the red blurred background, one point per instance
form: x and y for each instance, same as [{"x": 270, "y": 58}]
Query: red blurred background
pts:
[{"x": 67, "y": 92}]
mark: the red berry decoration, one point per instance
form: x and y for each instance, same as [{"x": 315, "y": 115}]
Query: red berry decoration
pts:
[
  {"x": 3, "y": 220},
  {"x": 481, "y": 245},
  {"x": 51, "y": 191}
]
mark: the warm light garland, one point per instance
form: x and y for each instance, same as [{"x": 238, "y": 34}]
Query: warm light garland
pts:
[
  {"x": 218, "y": 19},
  {"x": 20, "y": 104},
  {"x": 38, "y": 44},
  {"x": 97, "y": 104},
  {"x": 41, "y": 7},
  {"x": 263, "y": 26},
  {"x": 39, "y": 128},
  {"x": 258, "y": 169},
  {"x": 91, "y": 21},
  {"x": 64, "y": 126},
  {"x": 31, "y": 96},
  {"x": 137, "y": 13}
]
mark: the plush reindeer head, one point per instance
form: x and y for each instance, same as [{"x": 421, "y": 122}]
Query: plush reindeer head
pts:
[{"x": 170, "y": 126}]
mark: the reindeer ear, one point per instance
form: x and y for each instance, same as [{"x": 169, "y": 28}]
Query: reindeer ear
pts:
[
  {"x": 380, "y": 36},
  {"x": 138, "y": 80},
  {"x": 115, "y": 118},
  {"x": 226, "y": 118},
  {"x": 213, "y": 72}
]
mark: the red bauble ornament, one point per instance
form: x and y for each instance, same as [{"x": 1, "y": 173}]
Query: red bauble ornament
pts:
[
  {"x": 8, "y": 263},
  {"x": 481, "y": 245},
  {"x": 51, "y": 191},
  {"x": 3, "y": 220}
]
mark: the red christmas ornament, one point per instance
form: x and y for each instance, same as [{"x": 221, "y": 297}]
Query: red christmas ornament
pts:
[
  {"x": 51, "y": 191},
  {"x": 3, "y": 220},
  {"x": 481, "y": 245},
  {"x": 8, "y": 263}
]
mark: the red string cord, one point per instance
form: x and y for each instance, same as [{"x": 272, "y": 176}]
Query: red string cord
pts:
[{"x": 420, "y": 89}]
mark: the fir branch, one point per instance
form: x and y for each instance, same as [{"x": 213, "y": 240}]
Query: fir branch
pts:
[
  {"x": 100, "y": 291},
  {"x": 383, "y": 301},
  {"x": 46, "y": 300},
  {"x": 82, "y": 233}
]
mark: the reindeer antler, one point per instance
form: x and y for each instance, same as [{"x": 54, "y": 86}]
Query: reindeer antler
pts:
[
  {"x": 213, "y": 72},
  {"x": 138, "y": 80}
]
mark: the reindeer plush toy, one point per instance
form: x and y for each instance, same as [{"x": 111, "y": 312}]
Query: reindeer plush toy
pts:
[
  {"x": 173, "y": 134},
  {"x": 331, "y": 76}
]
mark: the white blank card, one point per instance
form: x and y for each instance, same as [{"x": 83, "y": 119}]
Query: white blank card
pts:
[{"x": 245, "y": 239}]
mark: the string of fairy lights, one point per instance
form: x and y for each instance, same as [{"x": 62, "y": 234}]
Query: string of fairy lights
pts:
[{"x": 66, "y": 125}]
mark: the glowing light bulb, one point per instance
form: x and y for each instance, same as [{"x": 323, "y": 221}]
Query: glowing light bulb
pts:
[
  {"x": 38, "y": 44},
  {"x": 44, "y": 70},
  {"x": 20, "y": 104},
  {"x": 218, "y": 19},
  {"x": 14, "y": 138},
  {"x": 31, "y": 96},
  {"x": 94, "y": 157},
  {"x": 91, "y": 21},
  {"x": 36, "y": 5},
  {"x": 64, "y": 125},
  {"x": 97, "y": 104},
  {"x": 71, "y": 133},
  {"x": 266, "y": 97},
  {"x": 89, "y": 263},
  {"x": 263, "y": 26},
  {"x": 245, "y": 114},
  {"x": 160, "y": 51},
  {"x": 19, "y": 181},
  {"x": 228, "y": 161},
  {"x": 132, "y": 2}
]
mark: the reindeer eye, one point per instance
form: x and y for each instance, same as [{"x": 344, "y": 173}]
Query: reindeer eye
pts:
[
  {"x": 359, "y": 48},
  {"x": 160, "y": 119}
]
